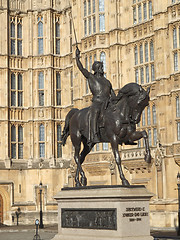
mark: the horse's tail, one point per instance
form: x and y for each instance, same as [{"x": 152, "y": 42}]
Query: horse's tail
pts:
[{"x": 65, "y": 132}]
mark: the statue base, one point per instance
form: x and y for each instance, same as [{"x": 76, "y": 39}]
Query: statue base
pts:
[{"x": 103, "y": 213}]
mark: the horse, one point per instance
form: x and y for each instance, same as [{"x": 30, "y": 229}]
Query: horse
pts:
[{"x": 117, "y": 126}]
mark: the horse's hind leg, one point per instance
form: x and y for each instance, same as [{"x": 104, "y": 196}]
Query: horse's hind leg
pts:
[
  {"x": 78, "y": 159},
  {"x": 83, "y": 154}
]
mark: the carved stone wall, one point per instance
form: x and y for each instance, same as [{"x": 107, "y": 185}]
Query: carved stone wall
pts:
[{"x": 117, "y": 42}]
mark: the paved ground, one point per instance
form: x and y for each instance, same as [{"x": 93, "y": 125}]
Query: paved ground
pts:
[
  {"x": 26, "y": 232},
  {"x": 49, "y": 231},
  {"x": 164, "y": 234},
  {"x": 25, "y": 236}
]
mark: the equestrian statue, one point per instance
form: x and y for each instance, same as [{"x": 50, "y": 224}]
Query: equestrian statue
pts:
[{"x": 110, "y": 119}]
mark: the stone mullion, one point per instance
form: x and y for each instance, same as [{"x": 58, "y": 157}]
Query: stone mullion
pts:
[
  {"x": 30, "y": 33},
  {"x": 51, "y": 32},
  {"x": 164, "y": 180},
  {"x": 120, "y": 76},
  {"x": 47, "y": 133},
  {"x": 54, "y": 32},
  {"x": 7, "y": 143},
  {"x": 36, "y": 140},
  {"x": 31, "y": 140}
]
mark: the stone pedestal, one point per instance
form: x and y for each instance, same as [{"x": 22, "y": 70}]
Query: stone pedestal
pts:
[{"x": 103, "y": 213}]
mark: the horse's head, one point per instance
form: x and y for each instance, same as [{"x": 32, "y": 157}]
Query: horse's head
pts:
[{"x": 137, "y": 99}]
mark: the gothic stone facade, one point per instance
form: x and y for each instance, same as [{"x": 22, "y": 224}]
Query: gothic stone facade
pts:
[{"x": 138, "y": 41}]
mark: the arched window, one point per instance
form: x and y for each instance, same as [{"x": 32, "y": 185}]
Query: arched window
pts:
[
  {"x": 12, "y": 37},
  {"x": 41, "y": 88},
  {"x": 59, "y": 145},
  {"x": 85, "y": 27},
  {"x": 175, "y": 61},
  {"x": 20, "y": 142},
  {"x": 94, "y": 6},
  {"x": 146, "y": 52},
  {"x": 145, "y": 10},
  {"x": 89, "y": 7},
  {"x": 101, "y": 16},
  {"x": 174, "y": 38},
  {"x": 142, "y": 75},
  {"x": 19, "y": 39},
  {"x": 58, "y": 88},
  {"x": 139, "y": 13},
  {"x": 136, "y": 55},
  {"x": 41, "y": 133},
  {"x": 16, "y": 142},
  {"x": 152, "y": 72},
  {"x": 143, "y": 118},
  {"x": 101, "y": 5},
  {"x": 13, "y": 29},
  {"x": 147, "y": 73},
  {"x": 16, "y": 36},
  {"x": 41, "y": 141},
  {"x": 90, "y": 63},
  {"x": 101, "y": 22},
  {"x": 58, "y": 38},
  {"x": 154, "y": 136},
  {"x": 13, "y": 89},
  {"x": 151, "y": 51},
  {"x": 13, "y": 133},
  {"x": 103, "y": 59},
  {"x": 150, "y": 9},
  {"x": 94, "y": 24},
  {"x": 40, "y": 35},
  {"x": 90, "y": 25},
  {"x": 148, "y": 116},
  {"x": 13, "y": 142},
  {"x": 20, "y": 90},
  {"x": 177, "y": 107},
  {"x": 178, "y": 131},
  {"x": 137, "y": 76},
  {"x": 85, "y": 8},
  {"x": 41, "y": 80},
  {"x": 154, "y": 114},
  {"x": 149, "y": 137},
  {"x": 134, "y": 15},
  {"x": 141, "y": 53},
  {"x": 16, "y": 89}
]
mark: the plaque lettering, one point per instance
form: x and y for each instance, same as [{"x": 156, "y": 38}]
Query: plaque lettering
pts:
[{"x": 135, "y": 214}]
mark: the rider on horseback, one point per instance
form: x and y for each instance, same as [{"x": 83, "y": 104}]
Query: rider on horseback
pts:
[{"x": 102, "y": 92}]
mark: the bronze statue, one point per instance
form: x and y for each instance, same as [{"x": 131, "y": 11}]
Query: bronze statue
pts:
[
  {"x": 102, "y": 93},
  {"x": 117, "y": 117}
]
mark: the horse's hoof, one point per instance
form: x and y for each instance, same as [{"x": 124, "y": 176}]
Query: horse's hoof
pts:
[
  {"x": 148, "y": 158},
  {"x": 78, "y": 184},
  {"x": 84, "y": 181},
  {"x": 125, "y": 182}
]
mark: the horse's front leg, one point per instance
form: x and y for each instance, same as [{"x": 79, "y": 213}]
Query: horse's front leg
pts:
[
  {"x": 76, "y": 158},
  {"x": 114, "y": 145},
  {"x": 142, "y": 134}
]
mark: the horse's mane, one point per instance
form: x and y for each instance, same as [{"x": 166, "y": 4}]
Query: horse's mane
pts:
[{"x": 128, "y": 90}]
